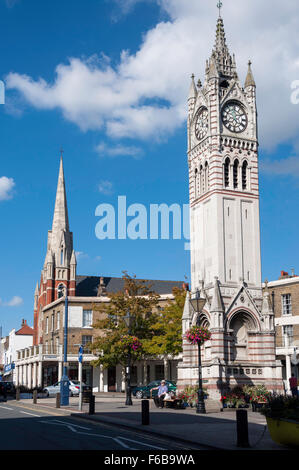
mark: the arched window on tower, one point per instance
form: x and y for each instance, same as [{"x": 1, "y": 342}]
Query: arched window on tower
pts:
[
  {"x": 226, "y": 172},
  {"x": 60, "y": 291},
  {"x": 201, "y": 176},
  {"x": 61, "y": 257},
  {"x": 206, "y": 176},
  {"x": 244, "y": 175},
  {"x": 236, "y": 170},
  {"x": 196, "y": 183}
]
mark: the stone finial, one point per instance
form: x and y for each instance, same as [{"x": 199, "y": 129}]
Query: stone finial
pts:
[{"x": 249, "y": 78}]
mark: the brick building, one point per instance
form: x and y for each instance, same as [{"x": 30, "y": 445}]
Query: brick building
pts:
[{"x": 284, "y": 294}]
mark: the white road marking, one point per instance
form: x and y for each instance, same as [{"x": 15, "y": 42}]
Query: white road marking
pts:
[
  {"x": 6, "y": 408},
  {"x": 31, "y": 414},
  {"x": 140, "y": 443}
]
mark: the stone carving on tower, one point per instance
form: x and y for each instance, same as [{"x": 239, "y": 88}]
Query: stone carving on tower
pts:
[{"x": 225, "y": 230}]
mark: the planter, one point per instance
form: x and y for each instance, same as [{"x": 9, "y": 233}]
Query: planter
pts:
[{"x": 284, "y": 431}]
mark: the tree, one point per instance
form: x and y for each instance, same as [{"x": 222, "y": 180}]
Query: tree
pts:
[
  {"x": 167, "y": 338},
  {"x": 114, "y": 335}
]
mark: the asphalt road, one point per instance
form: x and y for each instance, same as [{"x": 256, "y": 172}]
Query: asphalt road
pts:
[{"x": 24, "y": 429}]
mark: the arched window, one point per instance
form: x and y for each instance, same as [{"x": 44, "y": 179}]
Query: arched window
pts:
[
  {"x": 60, "y": 291},
  {"x": 196, "y": 183},
  {"x": 61, "y": 257},
  {"x": 244, "y": 175},
  {"x": 226, "y": 172},
  {"x": 206, "y": 176},
  {"x": 201, "y": 176},
  {"x": 236, "y": 169}
]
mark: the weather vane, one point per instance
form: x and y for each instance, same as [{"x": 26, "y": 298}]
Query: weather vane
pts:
[{"x": 219, "y": 6}]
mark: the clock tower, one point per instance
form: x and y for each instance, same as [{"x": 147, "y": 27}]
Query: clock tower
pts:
[{"x": 225, "y": 231}]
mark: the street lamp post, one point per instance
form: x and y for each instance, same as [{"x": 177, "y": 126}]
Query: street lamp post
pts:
[
  {"x": 127, "y": 320},
  {"x": 64, "y": 383},
  {"x": 198, "y": 304}
]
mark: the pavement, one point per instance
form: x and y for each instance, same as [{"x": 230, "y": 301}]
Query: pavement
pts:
[{"x": 215, "y": 430}]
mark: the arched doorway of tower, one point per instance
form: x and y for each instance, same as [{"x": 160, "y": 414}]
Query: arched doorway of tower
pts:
[{"x": 239, "y": 325}]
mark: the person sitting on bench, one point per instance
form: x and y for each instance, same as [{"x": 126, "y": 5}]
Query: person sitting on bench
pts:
[{"x": 162, "y": 390}]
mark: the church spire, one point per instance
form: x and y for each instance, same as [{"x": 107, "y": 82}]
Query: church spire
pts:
[
  {"x": 60, "y": 219},
  {"x": 249, "y": 79}
]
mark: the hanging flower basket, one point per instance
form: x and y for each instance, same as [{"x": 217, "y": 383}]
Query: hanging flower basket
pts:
[
  {"x": 198, "y": 335},
  {"x": 131, "y": 342}
]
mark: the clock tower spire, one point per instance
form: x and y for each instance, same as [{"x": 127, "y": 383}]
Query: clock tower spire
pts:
[{"x": 225, "y": 225}]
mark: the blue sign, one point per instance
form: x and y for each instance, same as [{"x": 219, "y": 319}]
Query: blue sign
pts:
[
  {"x": 8, "y": 368},
  {"x": 80, "y": 355}
]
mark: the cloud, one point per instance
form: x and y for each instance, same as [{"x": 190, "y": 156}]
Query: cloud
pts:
[
  {"x": 81, "y": 255},
  {"x": 6, "y": 188},
  {"x": 105, "y": 187},
  {"x": 285, "y": 167},
  {"x": 16, "y": 301},
  {"x": 144, "y": 95},
  {"x": 118, "y": 150}
]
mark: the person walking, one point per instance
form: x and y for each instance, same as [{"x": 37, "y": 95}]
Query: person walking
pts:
[{"x": 293, "y": 385}]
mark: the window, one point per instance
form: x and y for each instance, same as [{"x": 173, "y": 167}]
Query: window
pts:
[
  {"x": 52, "y": 321},
  {"x": 196, "y": 183},
  {"x": 226, "y": 173},
  {"x": 244, "y": 175},
  {"x": 286, "y": 304},
  {"x": 289, "y": 333},
  {"x": 159, "y": 372},
  {"x": 236, "y": 169},
  {"x": 87, "y": 318},
  {"x": 47, "y": 325},
  {"x": 85, "y": 341},
  {"x": 60, "y": 291},
  {"x": 58, "y": 321}
]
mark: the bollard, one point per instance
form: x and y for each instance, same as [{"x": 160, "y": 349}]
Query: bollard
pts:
[
  {"x": 92, "y": 405},
  {"x": 145, "y": 417},
  {"x": 242, "y": 429},
  {"x": 34, "y": 397},
  {"x": 18, "y": 394},
  {"x": 58, "y": 400}
]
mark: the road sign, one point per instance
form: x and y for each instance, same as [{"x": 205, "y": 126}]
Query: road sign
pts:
[{"x": 80, "y": 354}]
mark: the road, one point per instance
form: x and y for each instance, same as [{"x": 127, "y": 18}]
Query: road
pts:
[{"x": 22, "y": 428}]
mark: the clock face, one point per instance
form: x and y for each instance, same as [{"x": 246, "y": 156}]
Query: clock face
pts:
[
  {"x": 202, "y": 124},
  {"x": 234, "y": 117}
]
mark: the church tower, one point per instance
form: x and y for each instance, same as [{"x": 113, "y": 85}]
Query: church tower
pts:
[
  {"x": 225, "y": 229},
  {"x": 59, "y": 270}
]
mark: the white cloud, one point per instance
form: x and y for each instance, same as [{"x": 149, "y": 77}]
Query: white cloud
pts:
[
  {"x": 118, "y": 150},
  {"x": 80, "y": 255},
  {"x": 6, "y": 188},
  {"x": 105, "y": 187},
  {"x": 285, "y": 167},
  {"x": 16, "y": 301},
  {"x": 145, "y": 95}
]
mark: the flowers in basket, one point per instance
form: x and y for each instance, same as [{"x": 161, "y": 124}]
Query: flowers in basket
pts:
[
  {"x": 198, "y": 335},
  {"x": 131, "y": 342}
]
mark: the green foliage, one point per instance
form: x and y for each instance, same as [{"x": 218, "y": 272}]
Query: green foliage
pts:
[
  {"x": 138, "y": 299},
  {"x": 257, "y": 393},
  {"x": 190, "y": 394},
  {"x": 167, "y": 338}
]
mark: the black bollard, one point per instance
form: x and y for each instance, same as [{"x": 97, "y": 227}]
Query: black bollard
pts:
[
  {"x": 92, "y": 404},
  {"x": 34, "y": 397},
  {"x": 242, "y": 429},
  {"x": 145, "y": 417},
  {"x": 57, "y": 400},
  {"x": 18, "y": 394}
]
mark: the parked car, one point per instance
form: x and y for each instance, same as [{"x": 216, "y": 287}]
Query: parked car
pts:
[
  {"x": 52, "y": 390},
  {"x": 145, "y": 391}
]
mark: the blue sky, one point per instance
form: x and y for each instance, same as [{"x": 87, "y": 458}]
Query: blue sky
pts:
[{"x": 107, "y": 81}]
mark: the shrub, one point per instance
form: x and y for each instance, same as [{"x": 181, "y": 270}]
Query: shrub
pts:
[{"x": 281, "y": 406}]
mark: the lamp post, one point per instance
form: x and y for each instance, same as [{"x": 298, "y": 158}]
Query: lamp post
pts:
[
  {"x": 197, "y": 305},
  {"x": 127, "y": 320},
  {"x": 64, "y": 383}
]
